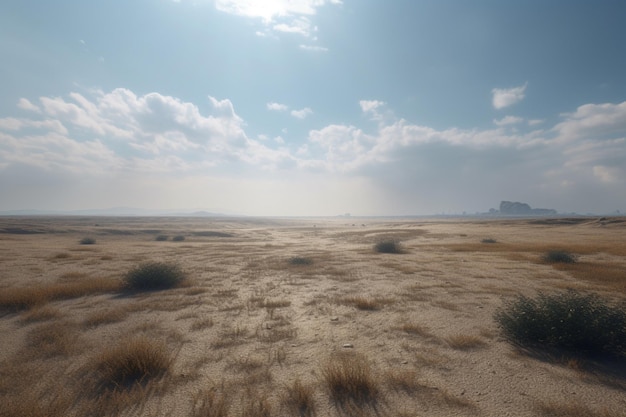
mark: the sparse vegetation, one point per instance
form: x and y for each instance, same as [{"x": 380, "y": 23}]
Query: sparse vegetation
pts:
[
  {"x": 559, "y": 256},
  {"x": 178, "y": 238},
  {"x": 88, "y": 241},
  {"x": 388, "y": 246},
  {"x": 153, "y": 276},
  {"x": 489, "y": 240},
  {"x": 132, "y": 362},
  {"x": 20, "y": 298},
  {"x": 300, "y": 260},
  {"x": 582, "y": 324},
  {"x": 161, "y": 238},
  {"x": 299, "y": 400},
  {"x": 350, "y": 380}
]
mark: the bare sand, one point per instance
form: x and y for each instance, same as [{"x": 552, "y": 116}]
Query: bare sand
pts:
[{"x": 249, "y": 324}]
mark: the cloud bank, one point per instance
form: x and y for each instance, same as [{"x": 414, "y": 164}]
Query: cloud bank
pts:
[{"x": 125, "y": 144}]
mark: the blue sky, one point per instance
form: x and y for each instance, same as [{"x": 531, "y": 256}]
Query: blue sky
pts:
[{"x": 313, "y": 107}]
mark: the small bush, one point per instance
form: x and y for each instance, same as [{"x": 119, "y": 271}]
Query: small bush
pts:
[
  {"x": 489, "y": 240},
  {"x": 154, "y": 276},
  {"x": 132, "y": 362},
  {"x": 388, "y": 246},
  {"x": 582, "y": 324},
  {"x": 559, "y": 256},
  {"x": 300, "y": 260},
  {"x": 88, "y": 241},
  {"x": 178, "y": 238},
  {"x": 161, "y": 238}
]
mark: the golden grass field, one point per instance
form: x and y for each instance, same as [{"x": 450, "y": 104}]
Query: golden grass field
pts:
[{"x": 349, "y": 332}]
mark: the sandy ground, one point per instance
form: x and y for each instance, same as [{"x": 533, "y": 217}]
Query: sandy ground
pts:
[{"x": 250, "y": 324}]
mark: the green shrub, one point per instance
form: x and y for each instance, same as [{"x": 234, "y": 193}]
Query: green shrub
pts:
[
  {"x": 559, "y": 256},
  {"x": 178, "y": 238},
  {"x": 388, "y": 246},
  {"x": 300, "y": 260},
  {"x": 153, "y": 276},
  {"x": 87, "y": 241},
  {"x": 582, "y": 324},
  {"x": 161, "y": 238}
]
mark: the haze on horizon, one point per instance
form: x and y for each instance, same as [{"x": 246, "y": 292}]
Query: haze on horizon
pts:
[{"x": 313, "y": 107}]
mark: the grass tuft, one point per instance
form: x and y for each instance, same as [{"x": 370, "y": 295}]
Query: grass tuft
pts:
[
  {"x": 388, "y": 246},
  {"x": 489, "y": 240},
  {"x": 178, "y": 238},
  {"x": 161, "y": 238},
  {"x": 299, "y": 399},
  {"x": 350, "y": 380},
  {"x": 559, "y": 256},
  {"x": 300, "y": 260},
  {"x": 153, "y": 276},
  {"x": 580, "y": 324},
  {"x": 88, "y": 241},
  {"x": 132, "y": 362}
]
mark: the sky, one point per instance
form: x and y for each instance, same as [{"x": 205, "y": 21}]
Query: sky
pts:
[{"x": 313, "y": 107}]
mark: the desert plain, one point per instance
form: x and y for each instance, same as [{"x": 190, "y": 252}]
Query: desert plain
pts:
[{"x": 270, "y": 308}]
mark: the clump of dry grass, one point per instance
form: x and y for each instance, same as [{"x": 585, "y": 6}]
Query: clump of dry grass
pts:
[
  {"x": 404, "y": 380},
  {"x": 366, "y": 303},
  {"x": 415, "y": 329},
  {"x": 299, "y": 400},
  {"x": 132, "y": 362},
  {"x": 20, "y": 298},
  {"x": 350, "y": 380},
  {"x": 271, "y": 304}
]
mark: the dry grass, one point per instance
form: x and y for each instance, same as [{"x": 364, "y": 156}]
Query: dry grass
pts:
[
  {"x": 202, "y": 324},
  {"x": 366, "y": 303},
  {"x": 299, "y": 399},
  {"x": 30, "y": 405},
  {"x": 55, "y": 338},
  {"x": 20, "y": 298},
  {"x": 350, "y": 380},
  {"x": 607, "y": 274},
  {"x": 41, "y": 313},
  {"x": 404, "y": 380},
  {"x": 415, "y": 329},
  {"x": 134, "y": 361},
  {"x": 211, "y": 403}
]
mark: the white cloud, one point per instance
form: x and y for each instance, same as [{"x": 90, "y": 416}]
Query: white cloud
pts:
[
  {"x": 302, "y": 113},
  {"x": 505, "y": 97},
  {"x": 119, "y": 137},
  {"x": 25, "y": 104},
  {"x": 370, "y": 105},
  {"x": 594, "y": 121},
  {"x": 508, "y": 120},
  {"x": 284, "y": 16},
  {"x": 277, "y": 106},
  {"x": 313, "y": 48}
]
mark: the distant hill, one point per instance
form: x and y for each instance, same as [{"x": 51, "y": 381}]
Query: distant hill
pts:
[{"x": 522, "y": 209}]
